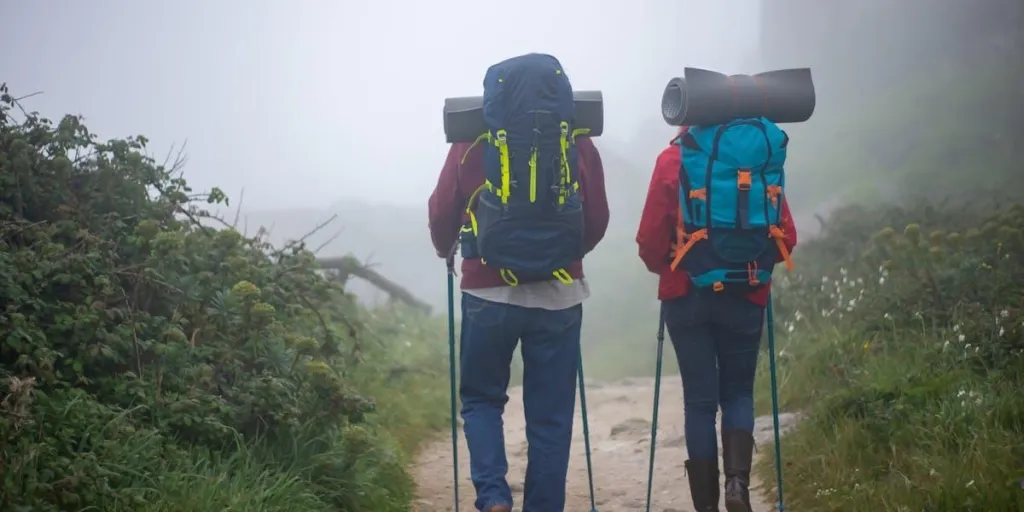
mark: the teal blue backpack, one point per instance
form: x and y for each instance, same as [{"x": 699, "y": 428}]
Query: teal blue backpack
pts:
[{"x": 732, "y": 182}]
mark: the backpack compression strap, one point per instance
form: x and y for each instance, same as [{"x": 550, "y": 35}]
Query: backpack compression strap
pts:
[{"x": 504, "y": 191}]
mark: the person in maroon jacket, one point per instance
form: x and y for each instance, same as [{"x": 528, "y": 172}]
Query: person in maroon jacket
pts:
[
  {"x": 546, "y": 316},
  {"x": 716, "y": 337}
]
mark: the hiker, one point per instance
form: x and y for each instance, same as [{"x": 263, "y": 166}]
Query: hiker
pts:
[
  {"x": 715, "y": 323},
  {"x": 500, "y": 306}
]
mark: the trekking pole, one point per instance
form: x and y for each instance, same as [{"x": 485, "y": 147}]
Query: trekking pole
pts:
[
  {"x": 775, "y": 400},
  {"x": 657, "y": 397},
  {"x": 451, "y": 375},
  {"x": 586, "y": 432}
]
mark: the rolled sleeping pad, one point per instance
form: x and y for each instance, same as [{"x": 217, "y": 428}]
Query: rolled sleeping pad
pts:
[
  {"x": 705, "y": 98},
  {"x": 464, "y": 117}
]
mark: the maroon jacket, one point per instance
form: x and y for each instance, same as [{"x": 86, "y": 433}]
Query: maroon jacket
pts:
[{"x": 447, "y": 205}]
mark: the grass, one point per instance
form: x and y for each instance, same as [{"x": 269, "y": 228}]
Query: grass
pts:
[
  {"x": 353, "y": 467},
  {"x": 898, "y": 428}
]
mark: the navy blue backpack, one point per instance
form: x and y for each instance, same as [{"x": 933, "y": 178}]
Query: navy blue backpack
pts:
[
  {"x": 731, "y": 185},
  {"x": 527, "y": 218}
]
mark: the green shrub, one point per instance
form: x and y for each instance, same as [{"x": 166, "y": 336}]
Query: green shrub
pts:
[{"x": 154, "y": 362}]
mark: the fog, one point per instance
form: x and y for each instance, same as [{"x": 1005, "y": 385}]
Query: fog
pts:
[
  {"x": 307, "y": 103},
  {"x": 323, "y": 108}
]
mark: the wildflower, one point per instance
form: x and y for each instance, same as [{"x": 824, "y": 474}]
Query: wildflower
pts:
[
  {"x": 1004, "y": 313},
  {"x": 1002, "y": 331},
  {"x": 962, "y": 338},
  {"x": 881, "y": 280},
  {"x": 824, "y": 492},
  {"x": 945, "y": 345},
  {"x": 790, "y": 327},
  {"x": 887, "y": 316}
]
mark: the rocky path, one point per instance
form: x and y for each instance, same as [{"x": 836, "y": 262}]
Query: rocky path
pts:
[{"x": 620, "y": 416}]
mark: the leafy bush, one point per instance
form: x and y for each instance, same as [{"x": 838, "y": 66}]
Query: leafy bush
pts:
[
  {"x": 903, "y": 340},
  {"x": 155, "y": 363}
]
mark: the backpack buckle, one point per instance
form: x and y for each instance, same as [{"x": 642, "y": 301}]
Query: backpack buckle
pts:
[{"x": 743, "y": 179}]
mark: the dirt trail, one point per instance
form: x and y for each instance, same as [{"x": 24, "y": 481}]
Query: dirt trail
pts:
[{"x": 620, "y": 428}]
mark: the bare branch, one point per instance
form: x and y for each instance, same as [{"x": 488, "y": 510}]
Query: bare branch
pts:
[
  {"x": 329, "y": 240},
  {"x": 27, "y": 96},
  {"x": 312, "y": 232},
  {"x": 238, "y": 208}
]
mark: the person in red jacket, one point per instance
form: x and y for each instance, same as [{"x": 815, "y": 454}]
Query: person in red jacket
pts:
[
  {"x": 545, "y": 315},
  {"x": 716, "y": 337}
]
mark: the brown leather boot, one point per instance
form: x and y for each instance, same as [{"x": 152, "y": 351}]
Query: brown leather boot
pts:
[
  {"x": 737, "y": 452},
  {"x": 703, "y": 477}
]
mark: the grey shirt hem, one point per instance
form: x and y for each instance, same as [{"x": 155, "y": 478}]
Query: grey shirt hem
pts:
[{"x": 550, "y": 295}]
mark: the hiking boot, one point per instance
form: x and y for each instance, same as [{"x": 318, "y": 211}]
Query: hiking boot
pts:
[
  {"x": 703, "y": 477},
  {"x": 737, "y": 452}
]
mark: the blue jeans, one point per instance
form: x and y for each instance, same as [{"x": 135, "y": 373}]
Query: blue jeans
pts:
[
  {"x": 717, "y": 337},
  {"x": 551, "y": 358}
]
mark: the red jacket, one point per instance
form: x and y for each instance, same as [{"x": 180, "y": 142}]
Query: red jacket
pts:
[
  {"x": 447, "y": 205},
  {"x": 658, "y": 223}
]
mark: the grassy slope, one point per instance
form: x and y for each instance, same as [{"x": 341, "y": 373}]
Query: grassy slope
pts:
[{"x": 910, "y": 375}]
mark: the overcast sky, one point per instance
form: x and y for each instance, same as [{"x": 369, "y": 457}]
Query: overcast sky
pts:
[{"x": 304, "y": 103}]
